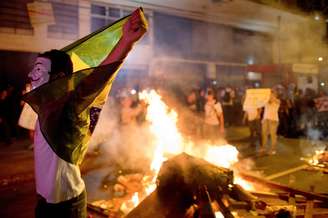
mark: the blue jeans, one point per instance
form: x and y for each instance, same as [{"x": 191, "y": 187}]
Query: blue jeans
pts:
[{"x": 73, "y": 208}]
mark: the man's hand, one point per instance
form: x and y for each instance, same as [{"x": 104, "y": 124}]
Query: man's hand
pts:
[
  {"x": 133, "y": 30},
  {"x": 135, "y": 27}
]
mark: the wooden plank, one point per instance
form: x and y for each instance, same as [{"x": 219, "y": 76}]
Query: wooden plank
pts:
[
  {"x": 277, "y": 186},
  {"x": 286, "y": 172}
]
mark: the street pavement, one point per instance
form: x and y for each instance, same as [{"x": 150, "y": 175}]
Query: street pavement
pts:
[{"x": 17, "y": 192}]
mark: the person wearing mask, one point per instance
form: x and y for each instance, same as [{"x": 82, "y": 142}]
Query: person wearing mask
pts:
[{"x": 62, "y": 129}]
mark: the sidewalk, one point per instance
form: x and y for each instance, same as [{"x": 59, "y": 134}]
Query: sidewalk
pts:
[{"x": 16, "y": 162}]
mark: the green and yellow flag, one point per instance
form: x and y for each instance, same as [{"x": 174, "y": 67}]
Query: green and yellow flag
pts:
[{"x": 64, "y": 105}]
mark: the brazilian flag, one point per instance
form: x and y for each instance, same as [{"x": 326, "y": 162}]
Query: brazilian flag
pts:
[{"x": 64, "y": 106}]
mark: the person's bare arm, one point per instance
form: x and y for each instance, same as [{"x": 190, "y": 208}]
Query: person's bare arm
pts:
[
  {"x": 221, "y": 123},
  {"x": 133, "y": 30},
  {"x": 245, "y": 117}
]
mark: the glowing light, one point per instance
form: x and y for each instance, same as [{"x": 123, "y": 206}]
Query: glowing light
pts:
[
  {"x": 133, "y": 92},
  {"x": 317, "y": 17},
  {"x": 315, "y": 159},
  {"x": 218, "y": 215},
  {"x": 135, "y": 199},
  {"x": 246, "y": 185},
  {"x": 320, "y": 58},
  {"x": 161, "y": 118},
  {"x": 250, "y": 60},
  {"x": 223, "y": 155},
  {"x": 128, "y": 205},
  {"x": 322, "y": 84}
]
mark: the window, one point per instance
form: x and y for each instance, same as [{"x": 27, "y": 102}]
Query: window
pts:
[
  {"x": 14, "y": 17},
  {"x": 67, "y": 23},
  {"x": 102, "y": 15}
]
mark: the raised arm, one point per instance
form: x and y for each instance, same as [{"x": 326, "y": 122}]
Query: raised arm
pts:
[{"x": 133, "y": 30}]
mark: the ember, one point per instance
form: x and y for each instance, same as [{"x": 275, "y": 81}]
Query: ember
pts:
[{"x": 319, "y": 161}]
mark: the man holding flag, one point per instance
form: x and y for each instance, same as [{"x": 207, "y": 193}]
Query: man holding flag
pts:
[{"x": 64, "y": 102}]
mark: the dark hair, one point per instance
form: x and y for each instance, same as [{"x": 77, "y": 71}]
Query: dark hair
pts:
[{"x": 60, "y": 62}]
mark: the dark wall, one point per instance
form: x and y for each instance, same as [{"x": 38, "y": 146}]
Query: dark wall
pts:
[
  {"x": 188, "y": 38},
  {"x": 14, "y": 67}
]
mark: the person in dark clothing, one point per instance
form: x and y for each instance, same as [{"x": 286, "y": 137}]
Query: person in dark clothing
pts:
[{"x": 4, "y": 115}]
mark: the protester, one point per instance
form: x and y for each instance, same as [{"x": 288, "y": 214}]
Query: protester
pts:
[
  {"x": 270, "y": 123},
  {"x": 253, "y": 117},
  {"x": 129, "y": 114},
  {"x": 228, "y": 105},
  {"x": 62, "y": 130},
  {"x": 5, "y": 128},
  {"x": 214, "y": 121}
]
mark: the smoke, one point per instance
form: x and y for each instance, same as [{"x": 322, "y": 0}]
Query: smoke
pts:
[
  {"x": 128, "y": 147},
  {"x": 182, "y": 49},
  {"x": 302, "y": 40}
]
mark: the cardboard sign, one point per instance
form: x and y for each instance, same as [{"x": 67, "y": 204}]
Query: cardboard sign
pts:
[{"x": 256, "y": 98}]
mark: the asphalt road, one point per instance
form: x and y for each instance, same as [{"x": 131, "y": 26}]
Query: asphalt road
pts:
[{"x": 17, "y": 192}]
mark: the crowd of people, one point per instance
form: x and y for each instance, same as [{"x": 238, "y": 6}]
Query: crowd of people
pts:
[
  {"x": 290, "y": 112},
  {"x": 10, "y": 108},
  {"x": 213, "y": 110}
]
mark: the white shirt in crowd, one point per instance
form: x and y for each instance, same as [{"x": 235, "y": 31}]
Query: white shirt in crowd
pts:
[
  {"x": 212, "y": 110},
  {"x": 252, "y": 113},
  {"x": 271, "y": 110},
  {"x": 56, "y": 180}
]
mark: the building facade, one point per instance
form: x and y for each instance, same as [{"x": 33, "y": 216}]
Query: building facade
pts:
[{"x": 188, "y": 40}]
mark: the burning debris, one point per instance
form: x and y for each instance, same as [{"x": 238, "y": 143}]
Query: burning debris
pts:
[
  {"x": 319, "y": 161},
  {"x": 321, "y": 158},
  {"x": 192, "y": 187},
  {"x": 188, "y": 180},
  {"x": 131, "y": 187}
]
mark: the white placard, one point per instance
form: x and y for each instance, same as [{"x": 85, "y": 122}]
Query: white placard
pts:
[{"x": 256, "y": 98}]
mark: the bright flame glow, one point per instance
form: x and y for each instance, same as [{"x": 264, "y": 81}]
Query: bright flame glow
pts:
[
  {"x": 168, "y": 140},
  {"x": 218, "y": 215},
  {"x": 133, "y": 92},
  {"x": 163, "y": 125},
  {"x": 315, "y": 159},
  {"x": 127, "y": 206},
  {"x": 224, "y": 155},
  {"x": 135, "y": 199},
  {"x": 246, "y": 185}
]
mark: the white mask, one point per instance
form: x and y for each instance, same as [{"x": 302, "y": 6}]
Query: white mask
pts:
[{"x": 40, "y": 72}]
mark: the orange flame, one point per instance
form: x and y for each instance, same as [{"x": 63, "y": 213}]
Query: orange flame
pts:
[{"x": 168, "y": 140}]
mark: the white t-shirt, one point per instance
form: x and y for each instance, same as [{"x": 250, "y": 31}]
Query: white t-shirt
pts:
[
  {"x": 56, "y": 180},
  {"x": 212, "y": 109},
  {"x": 252, "y": 113},
  {"x": 28, "y": 117},
  {"x": 271, "y": 111}
]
